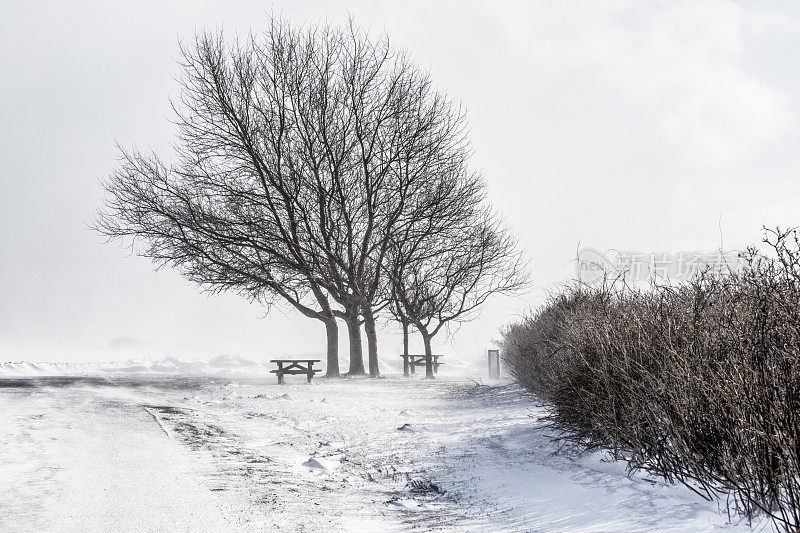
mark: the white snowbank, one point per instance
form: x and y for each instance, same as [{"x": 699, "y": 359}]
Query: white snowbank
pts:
[
  {"x": 321, "y": 463},
  {"x": 222, "y": 366}
]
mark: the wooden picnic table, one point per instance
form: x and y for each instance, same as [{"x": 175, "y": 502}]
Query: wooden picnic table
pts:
[
  {"x": 414, "y": 360},
  {"x": 295, "y": 366}
]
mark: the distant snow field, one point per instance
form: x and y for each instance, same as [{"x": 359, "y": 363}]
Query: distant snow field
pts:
[{"x": 130, "y": 447}]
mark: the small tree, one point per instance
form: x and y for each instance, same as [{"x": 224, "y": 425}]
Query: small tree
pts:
[{"x": 451, "y": 256}]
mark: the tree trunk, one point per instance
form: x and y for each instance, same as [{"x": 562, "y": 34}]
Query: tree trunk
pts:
[
  {"x": 372, "y": 342},
  {"x": 356, "y": 352},
  {"x": 405, "y": 348},
  {"x": 428, "y": 354},
  {"x": 332, "y": 331}
]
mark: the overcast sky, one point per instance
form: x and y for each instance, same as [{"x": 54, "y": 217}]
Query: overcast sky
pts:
[{"x": 616, "y": 125}]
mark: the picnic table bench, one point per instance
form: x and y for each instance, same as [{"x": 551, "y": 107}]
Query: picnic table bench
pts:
[
  {"x": 295, "y": 366},
  {"x": 412, "y": 361}
]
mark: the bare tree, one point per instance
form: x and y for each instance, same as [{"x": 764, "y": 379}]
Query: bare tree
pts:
[
  {"x": 444, "y": 271},
  {"x": 214, "y": 232},
  {"x": 300, "y": 151}
]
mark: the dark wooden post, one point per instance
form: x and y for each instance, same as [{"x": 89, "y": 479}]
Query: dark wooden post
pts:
[{"x": 280, "y": 371}]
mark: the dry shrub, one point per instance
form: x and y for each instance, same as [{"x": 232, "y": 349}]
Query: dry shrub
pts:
[{"x": 697, "y": 382}]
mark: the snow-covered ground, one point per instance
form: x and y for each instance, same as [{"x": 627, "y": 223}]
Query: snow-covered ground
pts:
[{"x": 131, "y": 450}]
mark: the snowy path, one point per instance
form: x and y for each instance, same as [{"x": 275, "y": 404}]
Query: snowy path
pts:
[
  {"x": 148, "y": 453},
  {"x": 71, "y": 459}
]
